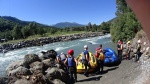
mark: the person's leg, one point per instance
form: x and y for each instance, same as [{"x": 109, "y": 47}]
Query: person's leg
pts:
[
  {"x": 102, "y": 66},
  {"x": 118, "y": 54},
  {"x": 70, "y": 74},
  {"x": 75, "y": 74},
  {"x": 129, "y": 56},
  {"x": 121, "y": 54},
  {"x": 88, "y": 68}
]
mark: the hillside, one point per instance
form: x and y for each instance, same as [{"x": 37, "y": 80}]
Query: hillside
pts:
[
  {"x": 8, "y": 23},
  {"x": 67, "y": 24}
]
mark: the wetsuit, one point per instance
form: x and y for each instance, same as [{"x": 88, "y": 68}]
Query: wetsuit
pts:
[{"x": 72, "y": 68}]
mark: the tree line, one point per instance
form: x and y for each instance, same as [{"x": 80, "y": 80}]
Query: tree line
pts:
[
  {"x": 11, "y": 30},
  {"x": 126, "y": 25}
]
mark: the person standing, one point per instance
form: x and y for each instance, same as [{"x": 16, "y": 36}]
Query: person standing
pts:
[
  {"x": 97, "y": 56},
  {"x": 138, "y": 50},
  {"x": 86, "y": 61},
  {"x": 100, "y": 62},
  {"x": 71, "y": 63},
  {"x": 120, "y": 48},
  {"x": 128, "y": 50}
]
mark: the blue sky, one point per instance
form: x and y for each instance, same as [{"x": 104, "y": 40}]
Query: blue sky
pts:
[{"x": 53, "y": 11}]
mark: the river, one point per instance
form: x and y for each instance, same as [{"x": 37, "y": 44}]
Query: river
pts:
[{"x": 77, "y": 45}]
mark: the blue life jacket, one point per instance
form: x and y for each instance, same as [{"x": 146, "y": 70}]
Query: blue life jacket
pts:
[
  {"x": 71, "y": 61},
  {"x": 84, "y": 54}
]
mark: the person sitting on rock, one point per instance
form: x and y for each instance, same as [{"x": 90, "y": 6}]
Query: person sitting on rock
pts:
[
  {"x": 60, "y": 60},
  {"x": 61, "y": 57},
  {"x": 71, "y": 63}
]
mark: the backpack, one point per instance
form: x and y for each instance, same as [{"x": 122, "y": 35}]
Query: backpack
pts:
[{"x": 101, "y": 57}]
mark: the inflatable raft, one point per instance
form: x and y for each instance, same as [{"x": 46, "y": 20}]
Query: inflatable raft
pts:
[
  {"x": 81, "y": 67},
  {"x": 111, "y": 58}
]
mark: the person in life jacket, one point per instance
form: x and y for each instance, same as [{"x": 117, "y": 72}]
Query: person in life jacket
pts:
[
  {"x": 60, "y": 60},
  {"x": 61, "y": 57},
  {"x": 138, "y": 50},
  {"x": 71, "y": 63},
  {"x": 120, "y": 48},
  {"x": 86, "y": 61},
  {"x": 128, "y": 50},
  {"x": 98, "y": 51},
  {"x": 100, "y": 61}
]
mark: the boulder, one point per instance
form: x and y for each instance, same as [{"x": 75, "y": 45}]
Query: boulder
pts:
[
  {"x": 57, "y": 81},
  {"x": 23, "y": 81},
  {"x": 20, "y": 71},
  {"x": 36, "y": 66},
  {"x": 4, "y": 80},
  {"x": 55, "y": 73},
  {"x": 30, "y": 58},
  {"x": 49, "y": 63},
  {"x": 39, "y": 78},
  {"x": 13, "y": 65}
]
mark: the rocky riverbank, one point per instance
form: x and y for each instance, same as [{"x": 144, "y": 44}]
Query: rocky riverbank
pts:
[
  {"x": 41, "y": 41},
  {"x": 34, "y": 69},
  {"x": 144, "y": 60}
]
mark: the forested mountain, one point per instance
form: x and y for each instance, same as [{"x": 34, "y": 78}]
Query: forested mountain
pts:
[
  {"x": 8, "y": 23},
  {"x": 13, "y": 28},
  {"x": 67, "y": 24}
]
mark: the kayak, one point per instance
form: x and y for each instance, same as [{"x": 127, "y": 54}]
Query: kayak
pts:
[
  {"x": 111, "y": 58},
  {"x": 81, "y": 67}
]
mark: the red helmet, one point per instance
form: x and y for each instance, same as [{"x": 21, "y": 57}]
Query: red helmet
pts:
[{"x": 70, "y": 52}]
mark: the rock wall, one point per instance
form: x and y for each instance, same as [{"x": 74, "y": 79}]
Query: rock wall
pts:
[{"x": 144, "y": 60}]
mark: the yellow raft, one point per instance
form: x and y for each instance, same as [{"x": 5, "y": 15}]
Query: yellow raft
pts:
[{"x": 81, "y": 67}]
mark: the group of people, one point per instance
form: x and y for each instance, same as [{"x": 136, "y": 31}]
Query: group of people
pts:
[
  {"x": 70, "y": 62},
  {"x": 128, "y": 50}
]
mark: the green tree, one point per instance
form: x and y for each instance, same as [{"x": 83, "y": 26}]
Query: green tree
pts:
[{"x": 16, "y": 32}]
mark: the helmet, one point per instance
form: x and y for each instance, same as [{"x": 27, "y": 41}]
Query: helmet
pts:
[
  {"x": 128, "y": 42},
  {"x": 139, "y": 41},
  {"x": 70, "y": 52},
  {"x": 85, "y": 46},
  {"x": 62, "y": 52}
]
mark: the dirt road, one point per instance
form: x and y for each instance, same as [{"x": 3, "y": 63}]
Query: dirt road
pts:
[{"x": 122, "y": 74}]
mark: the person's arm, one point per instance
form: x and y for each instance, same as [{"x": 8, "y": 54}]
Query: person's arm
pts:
[
  {"x": 141, "y": 9},
  {"x": 76, "y": 61},
  {"x": 65, "y": 62},
  {"x": 57, "y": 59},
  {"x": 121, "y": 46}
]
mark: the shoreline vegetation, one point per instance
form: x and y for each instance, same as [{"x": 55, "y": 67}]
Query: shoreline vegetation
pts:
[{"x": 17, "y": 44}]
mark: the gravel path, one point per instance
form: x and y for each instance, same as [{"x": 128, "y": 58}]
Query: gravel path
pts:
[{"x": 125, "y": 73}]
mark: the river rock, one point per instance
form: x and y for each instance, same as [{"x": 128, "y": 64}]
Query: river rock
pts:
[
  {"x": 55, "y": 73},
  {"x": 23, "y": 81},
  {"x": 13, "y": 65},
  {"x": 57, "y": 81},
  {"x": 4, "y": 80},
  {"x": 52, "y": 53},
  {"x": 36, "y": 66},
  {"x": 19, "y": 72},
  {"x": 29, "y": 58}
]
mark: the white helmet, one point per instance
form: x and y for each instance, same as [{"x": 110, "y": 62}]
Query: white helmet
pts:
[
  {"x": 85, "y": 46},
  {"x": 139, "y": 41}
]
